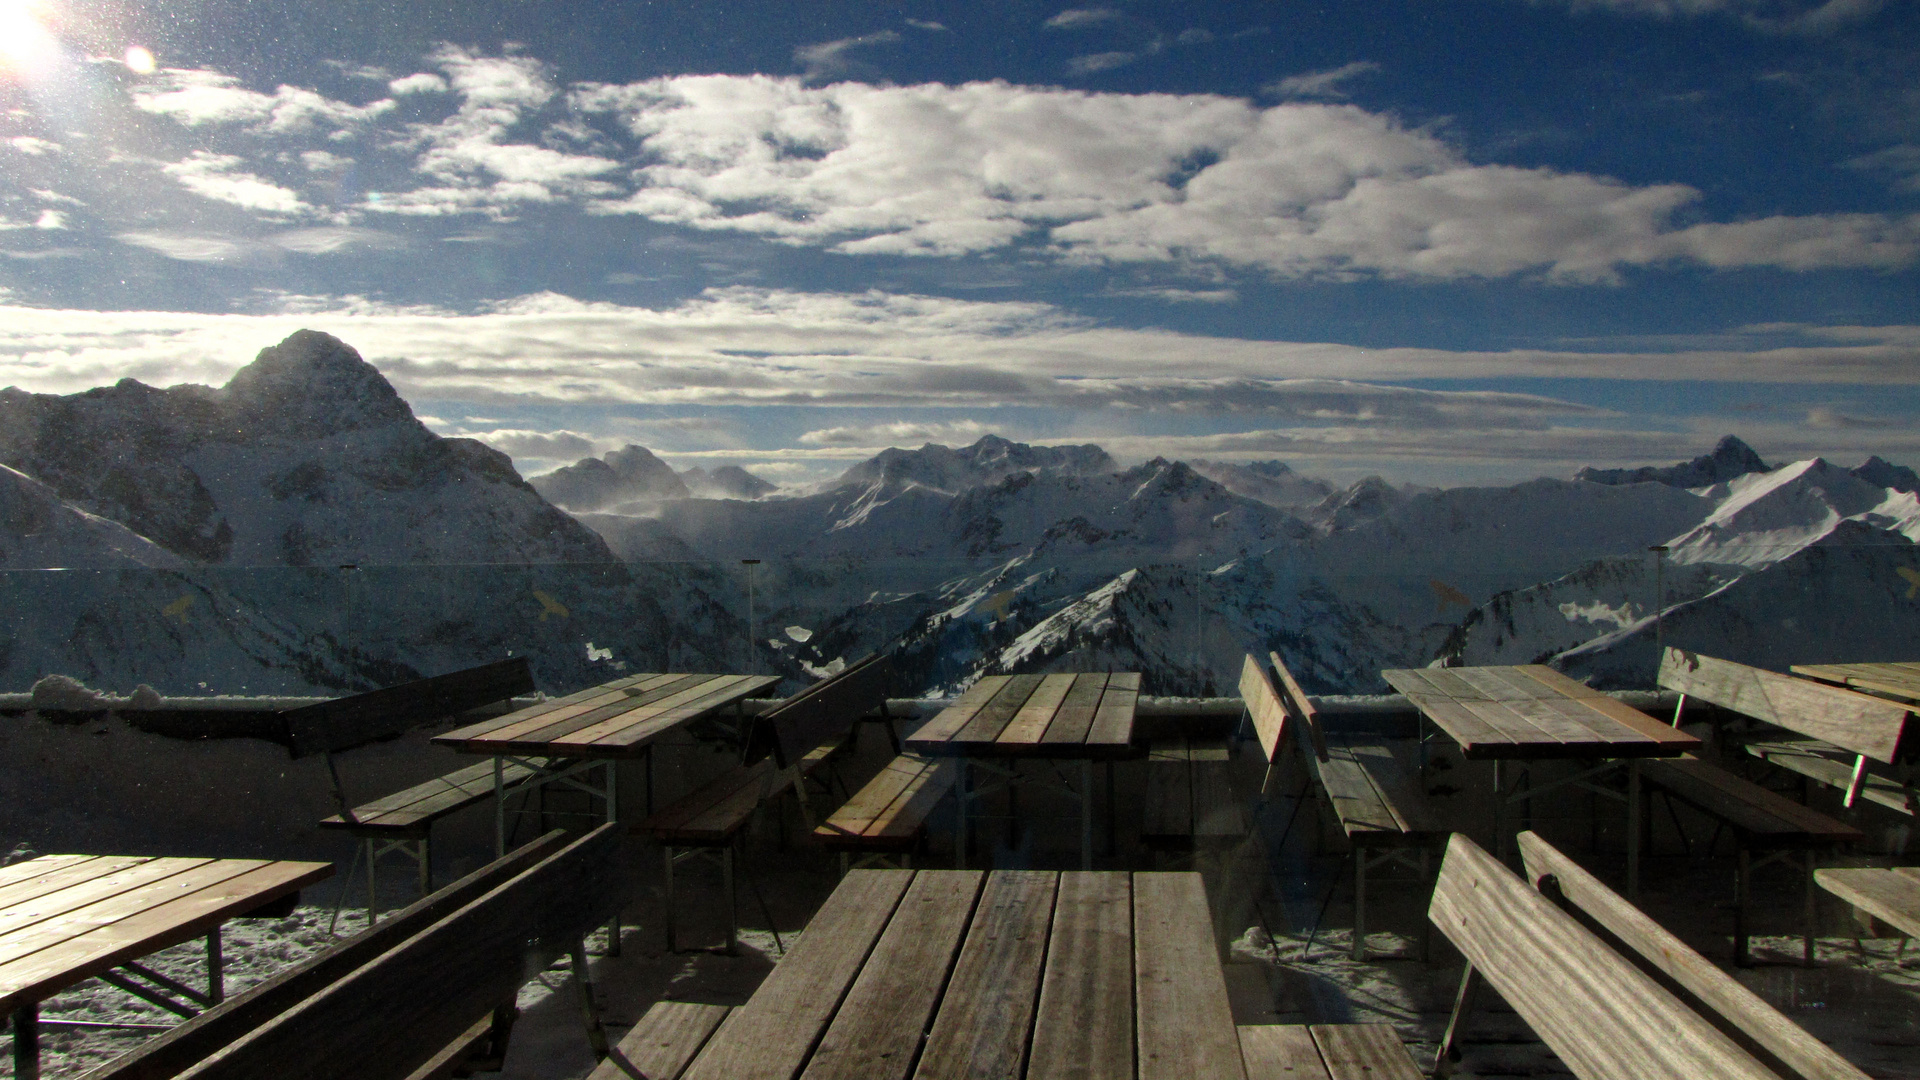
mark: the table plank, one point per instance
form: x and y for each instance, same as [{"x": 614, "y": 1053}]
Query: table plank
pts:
[
  {"x": 548, "y": 728},
  {"x": 70, "y": 870},
  {"x": 637, "y": 727},
  {"x": 187, "y": 914},
  {"x": 1084, "y": 1027},
  {"x": 1281, "y": 1050},
  {"x": 1037, "y": 715},
  {"x": 878, "y": 1027},
  {"x": 950, "y": 720},
  {"x": 1475, "y": 736},
  {"x": 1070, "y": 724},
  {"x": 1671, "y": 740},
  {"x": 1112, "y": 729},
  {"x": 1900, "y": 679},
  {"x": 771, "y": 1035},
  {"x": 575, "y": 702},
  {"x": 987, "y": 1014},
  {"x": 986, "y": 725},
  {"x": 1183, "y": 1020},
  {"x": 87, "y": 896}
]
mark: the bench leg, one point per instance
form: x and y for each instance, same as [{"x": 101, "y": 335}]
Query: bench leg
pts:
[
  {"x": 1086, "y": 814},
  {"x": 666, "y": 852},
  {"x": 216, "y": 969},
  {"x": 26, "y": 1042},
  {"x": 425, "y": 847},
  {"x": 1463, "y": 1001},
  {"x": 1812, "y": 913},
  {"x": 1359, "y": 904},
  {"x": 1743, "y": 872},
  {"x": 1636, "y": 814},
  {"x": 589, "y": 1012},
  {"x": 733, "y": 906},
  {"x": 373, "y": 892}
]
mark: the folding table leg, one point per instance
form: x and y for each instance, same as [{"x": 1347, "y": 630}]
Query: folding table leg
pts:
[
  {"x": 1742, "y": 873},
  {"x": 1086, "y": 814},
  {"x": 373, "y": 891},
  {"x": 26, "y": 1042},
  {"x": 589, "y": 1012},
  {"x": 1360, "y": 904},
  {"x": 1634, "y": 814},
  {"x": 733, "y": 906},
  {"x": 1812, "y": 913},
  {"x": 666, "y": 851},
  {"x": 216, "y": 976}
]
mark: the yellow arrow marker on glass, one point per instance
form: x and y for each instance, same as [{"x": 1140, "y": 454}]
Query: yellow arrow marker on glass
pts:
[
  {"x": 1913, "y": 580},
  {"x": 549, "y": 606},
  {"x": 178, "y": 609}
]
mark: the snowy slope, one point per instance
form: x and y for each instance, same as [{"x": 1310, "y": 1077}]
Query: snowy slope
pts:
[{"x": 38, "y": 529}]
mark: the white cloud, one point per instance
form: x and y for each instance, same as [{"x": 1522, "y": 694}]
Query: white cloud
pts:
[
  {"x": 1296, "y": 190},
  {"x": 50, "y": 219},
  {"x": 830, "y": 59},
  {"x": 221, "y": 178},
  {"x": 187, "y": 247},
  {"x": 545, "y": 445},
  {"x": 1901, "y": 164},
  {"x": 33, "y": 145},
  {"x": 197, "y": 97},
  {"x": 322, "y": 161},
  {"x": 1103, "y": 61},
  {"x": 420, "y": 82},
  {"x": 1770, "y": 16},
  {"x": 1322, "y": 84},
  {"x": 329, "y": 239},
  {"x": 55, "y": 197},
  {"x": 904, "y": 433},
  {"x": 1181, "y": 296},
  {"x": 1081, "y": 18}
]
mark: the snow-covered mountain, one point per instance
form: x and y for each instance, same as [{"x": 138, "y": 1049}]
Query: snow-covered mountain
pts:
[
  {"x": 1270, "y": 482},
  {"x": 1729, "y": 459},
  {"x": 987, "y": 461},
  {"x": 725, "y": 482},
  {"x": 39, "y": 530}
]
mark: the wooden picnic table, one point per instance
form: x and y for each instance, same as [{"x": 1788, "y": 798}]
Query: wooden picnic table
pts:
[
  {"x": 955, "y": 973},
  {"x": 67, "y": 918},
  {"x": 1002, "y": 719},
  {"x": 1532, "y": 713},
  {"x": 562, "y": 739},
  {"x": 1899, "y": 680}
]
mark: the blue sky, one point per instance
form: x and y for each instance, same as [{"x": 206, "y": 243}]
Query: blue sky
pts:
[{"x": 1449, "y": 242}]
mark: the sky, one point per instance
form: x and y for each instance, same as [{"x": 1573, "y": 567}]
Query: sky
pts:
[{"x": 1464, "y": 242}]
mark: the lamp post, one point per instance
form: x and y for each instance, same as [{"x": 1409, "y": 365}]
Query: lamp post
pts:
[{"x": 750, "y": 564}]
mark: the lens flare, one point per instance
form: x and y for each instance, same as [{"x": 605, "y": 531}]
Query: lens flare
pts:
[
  {"x": 26, "y": 44},
  {"x": 139, "y": 60}
]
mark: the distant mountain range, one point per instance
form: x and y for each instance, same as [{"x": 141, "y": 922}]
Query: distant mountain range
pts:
[{"x": 298, "y": 530}]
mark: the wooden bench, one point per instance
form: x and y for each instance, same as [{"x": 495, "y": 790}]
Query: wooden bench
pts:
[
  {"x": 1882, "y": 894},
  {"x": 663, "y": 1043},
  {"x": 1380, "y": 805},
  {"x": 1609, "y": 991},
  {"x": 784, "y": 746},
  {"x": 1761, "y": 819},
  {"x": 1190, "y": 796},
  {"x": 427, "y": 989},
  {"x": 1326, "y": 1052},
  {"x": 1827, "y": 734},
  {"x": 886, "y": 819},
  {"x": 403, "y": 822}
]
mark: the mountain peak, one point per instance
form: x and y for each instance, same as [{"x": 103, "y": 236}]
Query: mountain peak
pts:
[
  {"x": 987, "y": 461},
  {"x": 625, "y": 475},
  {"x": 1729, "y": 459},
  {"x": 314, "y": 383},
  {"x": 1884, "y": 473}
]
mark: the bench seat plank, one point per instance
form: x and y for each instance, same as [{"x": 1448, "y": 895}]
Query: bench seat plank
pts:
[
  {"x": 778, "y": 1027},
  {"x": 1892, "y": 896},
  {"x": 1364, "y": 1052},
  {"x": 889, "y": 811},
  {"x": 413, "y": 811},
  {"x": 985, "y": 1015},
  {"x": 1281, "y": 1052},
  {"x": 664, "y": 1040},
  {"x": 1764, "y": 816},
  {"x": 1184, "y": 1022}
]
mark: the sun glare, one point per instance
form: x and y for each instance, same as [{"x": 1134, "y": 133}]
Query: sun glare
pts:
[
  {"x": 26, "y": 44},
  {"x": 139, "y": 60}
]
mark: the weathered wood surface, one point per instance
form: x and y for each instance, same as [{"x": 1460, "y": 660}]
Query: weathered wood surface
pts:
[
  {"x": 825, "y": 711},
  {"x": 1738, "y": 1012},
  {"x": 413, "y": 811},
  {"x": 1764, "y": 818},
  {"x": 378, "y": 714},
  {"x": 1890, "y": 895},
  {"x": 663, "y": 1041},
  {"x": 1281, "y": 1052},
  {"x": 1603, "y": 1016},
  {"x": 1088, "y": 715},
  {"x": 889, "y": 811},
  {"x": 1532, "y": 711},
  {"x": 877, "y": 1029},
  {"x": 1901, "y": 680},
  {"x": 616, "y": 719},
  {"x": 986, "y": 1016},
  {"x": 1084, "y": 1027},
  {"x": 1015, "y": 974},
  {"x": 1271, "y": 720},
  {"x": 772, "y": 1034},
  {"x": 171, "y": 1052},
  {"x": 71, "y": 923},
  {"x": 386, "y": 1018},
  {"x": 1824, "y": 763},
  {"x": 1363, "y": 1052},
  {"x": 1183, "y": 1027},
  {"x": 1375, "y": 800},
  {"x": 1882, "y": 730},
  {"x": 1190, "y": 792}
]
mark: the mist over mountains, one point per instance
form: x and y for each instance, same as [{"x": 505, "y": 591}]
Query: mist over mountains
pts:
[{"x": 299, "y": 530}]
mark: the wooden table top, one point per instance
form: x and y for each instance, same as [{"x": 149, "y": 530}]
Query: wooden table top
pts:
[
  {"x": 1901, "y": 680},
  {"x": 1533, "y": 711},
  {"x": 1079, "y": 974},
  {"x": 616, "y": 719},
  {"x": 1067, "y": 715},
  {"x": 64, "y": 918}
]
